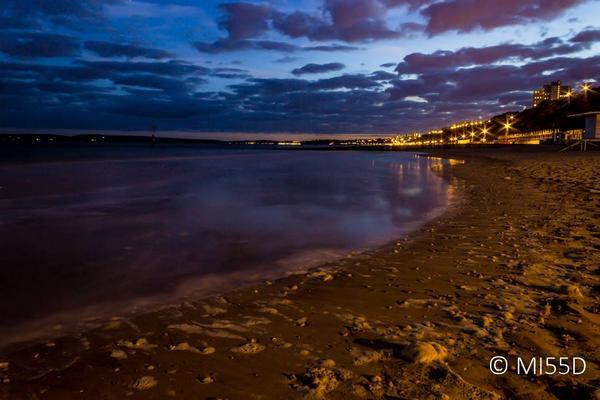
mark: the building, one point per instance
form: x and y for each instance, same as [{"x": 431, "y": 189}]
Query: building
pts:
[
  {"x": 553, "y": 91},
  {"x": 592, "y": 125},
  {"x": 539, "y": 96}
]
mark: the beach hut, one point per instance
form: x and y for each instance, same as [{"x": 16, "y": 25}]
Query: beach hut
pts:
[{"x": 591, "y": 132}]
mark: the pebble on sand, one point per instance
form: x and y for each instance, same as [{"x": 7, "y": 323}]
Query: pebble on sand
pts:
[
  {"x": 368, "y": 357},
  {"x": 118, "y": 354},
  {"x": 249, "y": 348},
  {"x": 185, "y": 346},
  {"x": 145, "y": 383},
  {"x": 322, "y": 275},
  {"x": 141, "y": 343},
  {"x": 326, "y": 363},
  {"x": 573, "y": 292},
  {"x": 321, "y": 380},
  {"x": 205, "y": 379},
  {"x": 425, "y": 352}
]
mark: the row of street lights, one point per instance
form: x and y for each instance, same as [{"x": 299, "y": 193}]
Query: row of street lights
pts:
[{"x": 585, "y": 88}]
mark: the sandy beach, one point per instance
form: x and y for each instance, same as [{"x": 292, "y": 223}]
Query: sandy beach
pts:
[{"x": 511, "y": 271}]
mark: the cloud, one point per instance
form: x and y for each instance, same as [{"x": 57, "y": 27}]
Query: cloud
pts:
[
  {"x": 383, "y": 76},
  {"x": 588, "y": 36},
  {"x": 471, "y": 15},
  {"x": 151, "y": 81},
  {"x": 342, "y": 25},
  {"x": 286, "y": 59},
  {"x": 356, "y": 21},
  {"x": 111, "y": 50},
  {"x": 346, "y": 82},
  {"x": 245, "y": 20},
  {"x": 486, "y": 85},
  {"x": 100, "y": 69},
  {"x": 227, "y": 45},
  {"x": 330, "y": 48},
  {"x": 32, "y": 13},
  {"x": 38, "y": 45},
  {"x": 159, "y": 108},
  {"x": 318, "y": 68},
  {"x": 341, "y": 20},
  {"x": 129, "y": 85},
  {"x": 230, "y": 73},
  {"x": 172, "y": 93},
  {"x": 467, "y": 56},
  {"x": 347, "y": 14}
]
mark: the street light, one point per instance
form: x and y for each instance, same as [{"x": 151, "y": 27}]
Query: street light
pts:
[
  {"x": 585, "y": 87},
  {"x": 508, "y": 125},
  {"x": 472, "y": 133},
  {"x": 485, "y": 131},
  {"x": 568, "y": 95}
]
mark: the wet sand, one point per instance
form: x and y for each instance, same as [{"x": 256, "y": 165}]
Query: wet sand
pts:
[{"x": 514, "y": 271}]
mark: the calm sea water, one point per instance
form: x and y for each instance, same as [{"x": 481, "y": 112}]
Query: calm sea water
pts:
[{"x": 97, "y": 234}]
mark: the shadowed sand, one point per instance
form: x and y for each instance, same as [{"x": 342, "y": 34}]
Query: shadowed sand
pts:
[{"x": 512, "y": 272}]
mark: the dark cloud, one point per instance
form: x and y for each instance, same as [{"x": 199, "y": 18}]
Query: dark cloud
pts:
[
  {"x": 258, "y": 86},
  {"x": 169, "y": 68},
  {"x": 38, "y": 45},
  {"x": 486, "y": 85},
  {"x": 365, "y": 20},
  {"x": 588, "y": 36},
  {"x": 227, "y": 45},
  {"x": 318, "y": 68},
  {"x": 388, "y": 65},
  {"x": 343, "y": 20},
  {"x": 159, "y": 107},
  {"x": 412, "y": 5},
  {"x": 151, "y": 81},
  {"x": 133, "y": 86},
  {"x": 470, "y": 15},
  {"x": 245, "y": 20},
  {"x": 112, "y": 50},
  {"x": 124, "y": 72},
  {"x": 350, "y": 28},
  {"x": 286, "y": 59},
  {"x": 230, "y": 73},
  {"x": 346, "y": 82},
  {"x": 383, "y": 76},
  {"x": 330, "y": 48},
  {"x": 467, "y": 56},
  {"x": 347, "y": 14},
  {"x": 72, "y": 13},
  {"x": 172, "y": 94}
]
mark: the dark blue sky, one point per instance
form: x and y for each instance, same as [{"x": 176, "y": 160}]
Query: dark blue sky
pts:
[{"x": 291, "y": 66}]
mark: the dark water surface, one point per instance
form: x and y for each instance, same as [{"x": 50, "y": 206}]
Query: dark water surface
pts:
[{"x": 100, "y": 234}]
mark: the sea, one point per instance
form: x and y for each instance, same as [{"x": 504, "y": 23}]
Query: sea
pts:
[{"x": 91, "y": 232}]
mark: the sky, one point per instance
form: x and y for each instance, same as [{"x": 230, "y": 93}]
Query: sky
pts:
[{"x": 212, "y": 68}]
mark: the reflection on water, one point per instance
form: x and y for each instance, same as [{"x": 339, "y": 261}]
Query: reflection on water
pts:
[{"x": 97, "y": 233}]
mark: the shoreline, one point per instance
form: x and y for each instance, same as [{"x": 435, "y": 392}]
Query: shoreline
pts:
[
  {"x": 360, "y": 327},
  {"x": 77, "y": 321}
]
